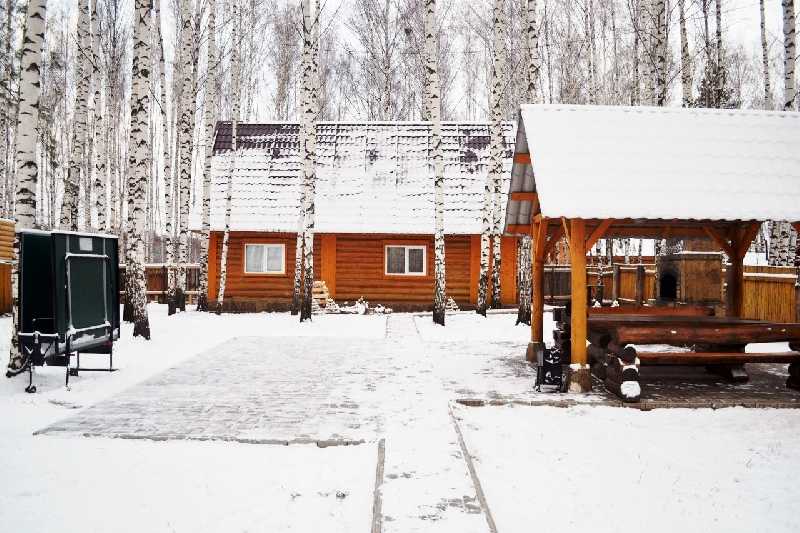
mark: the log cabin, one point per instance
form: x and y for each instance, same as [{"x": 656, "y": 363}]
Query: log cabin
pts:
[{"x": 374, "y": 213}]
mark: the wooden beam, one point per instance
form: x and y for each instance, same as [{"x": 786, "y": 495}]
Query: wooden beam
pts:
[
  {"x": 796, "y": 226},
  {"x": 721, "y": 241},
  {"x": 540, "y": 239},
  {"x": 565, "y": 226},
  {"x": 598, "y": 233},
  {"x": 749, "y": 233},
  {"x": 522, "y": 159},
  {"x": 524, "y": 196},
  {"x": 518, "y": 229}
]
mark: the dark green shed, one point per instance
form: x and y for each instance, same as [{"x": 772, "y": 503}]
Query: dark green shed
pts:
[{"x": 68, "y": 297}]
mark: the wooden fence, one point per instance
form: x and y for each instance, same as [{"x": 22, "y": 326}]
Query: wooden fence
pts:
[{"x": 157, "y": 282}]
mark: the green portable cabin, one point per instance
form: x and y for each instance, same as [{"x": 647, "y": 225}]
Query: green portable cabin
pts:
[{"x": 68, "y": 295}]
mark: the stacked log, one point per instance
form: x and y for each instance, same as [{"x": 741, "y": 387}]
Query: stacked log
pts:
[
  {"x": 616, "y": 365},
  {"x": 6, "y": 240}
]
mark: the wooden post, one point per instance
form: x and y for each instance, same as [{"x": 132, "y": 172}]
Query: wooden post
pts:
[
  {"x": 615, "y": 283},
  {"x": 579, "y": 378},
  {"x": 474, "y": 267},
  {"x": 539, "y": 234},
  {"x": 640, "y": 273}
]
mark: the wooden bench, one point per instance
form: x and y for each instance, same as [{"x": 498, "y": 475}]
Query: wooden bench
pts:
[{"x": 716, "y": 342}]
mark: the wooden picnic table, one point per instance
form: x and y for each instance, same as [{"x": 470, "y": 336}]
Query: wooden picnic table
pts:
[{"x": 618, "y": 341}]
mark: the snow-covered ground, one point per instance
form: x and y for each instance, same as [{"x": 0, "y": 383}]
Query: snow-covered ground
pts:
[
  {"x": 259, "y": 376},
  {"x": 607, "y": 469}
]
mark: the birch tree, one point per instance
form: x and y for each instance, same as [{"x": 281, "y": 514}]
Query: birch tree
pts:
[
  {"x": 789, "y": 55},
  {"x": 69, "y": 209},
  {"x": 496, "y": 155},
  {"x": 210, "y": 121},
  {"x": 99, "y": 136},
  {"x": 497, "y": 146},
  {"x": 27, "y": 165},
  {"x": 236, "y": 80},
  {"x": 186, "y": 128},
  {"x": 309, "y": 141},
  {"x": 139, "y": 165},
  {"x": 434, "y": 112},
  {"x": 524, "y": 257},
  {"x": 768, "y": 103},
  {"x": 686, "y": 60},
  {"x": 305, "y": 98}
]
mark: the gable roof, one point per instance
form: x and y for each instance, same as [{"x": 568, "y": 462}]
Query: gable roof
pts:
[
  {"x": 600, "y": 162},
  {"x": 371, "y": 177}
]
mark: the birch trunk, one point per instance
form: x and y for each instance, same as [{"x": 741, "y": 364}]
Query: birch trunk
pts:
[
  {"x": 434, "y": 112},
  {"x": 186, "y": 128},
  {"x": 637, "y": 39},
  {"x": 6, "y": 104},
  {"x": 718, "y": 70},
  {"x": 210, "y": 120},
  {"x": 305, "y": 98},
  {"x": 497, "y": 144},
  {"x": 310, "y": 47},
  {"x": 169, "y": 179},
  {"x": 495, "y": 151},
  {"x": 27, "y": 166},
  {"x": 69, "y": 209},
  {"x": 99, "y": 136},
  {"x": 525, "y": 246},
  {"x": 236, "y": 75},
  {"x": 768, "y": 103},
  {"x": 790, "y": 55},
  {"x": 686, "y": 61},
  {"x": 139, "y": 165},
  {"x": 661, "y": 53}
]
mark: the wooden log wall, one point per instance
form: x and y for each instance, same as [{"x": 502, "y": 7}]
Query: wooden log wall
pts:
[
  {"x": 353, "y": 265},
  {"x": 6, "y": 256}
]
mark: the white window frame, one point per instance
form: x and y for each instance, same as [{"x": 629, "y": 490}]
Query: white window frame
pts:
[
  {"x": 406, "y": 247},
  {"x": 282, "y": 248}
]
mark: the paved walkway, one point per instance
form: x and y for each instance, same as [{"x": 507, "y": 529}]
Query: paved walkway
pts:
[{"x": 331, "y": 391}]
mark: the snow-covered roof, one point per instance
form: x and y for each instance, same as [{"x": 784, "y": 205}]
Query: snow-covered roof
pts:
[
  {"x": 371, "y": 177},
  {"x": 598, "y": 162}
]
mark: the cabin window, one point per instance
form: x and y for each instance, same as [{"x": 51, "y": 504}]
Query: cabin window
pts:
[
  {"x": 405, "y": 260},
  {"x": 264, "y": 259}
]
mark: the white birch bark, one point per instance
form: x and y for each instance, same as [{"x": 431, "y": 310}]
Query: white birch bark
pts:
[
  {"x": 186, "y": 128},
  {"x": 497, "y": 146},
  {"x": 69, "y": 209},
  {"x": 496, "y": 156},
  {"x": 236, "y": 66},
  {"x": 27, "y": 166},
  {"x": 718, "y": 70},
  {"x": 309, "y": 142},
  {"x": 434, "y": 111},
  {"x": 637, "y": 39},
  {"x": 305, "y": 99},
  {"x": 100, "y": 178},
  {"x": 661, "y": 52},
  {"x": 525, "y": 246},
  {"x": 789, "y": 55},
  {"x": 210, "y": 121},
  {"x": 168, "y": 173},
  {"x": 686, "y": 60},
  {"x": 139, "y": 167},
  {"x": 768, "y": 102}
]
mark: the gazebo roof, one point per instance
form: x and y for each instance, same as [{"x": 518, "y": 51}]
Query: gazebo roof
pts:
[{"x": 654, "y": 169}]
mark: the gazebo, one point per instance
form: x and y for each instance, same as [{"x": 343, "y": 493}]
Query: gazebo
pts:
[{"x": 593, "y": 172}]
